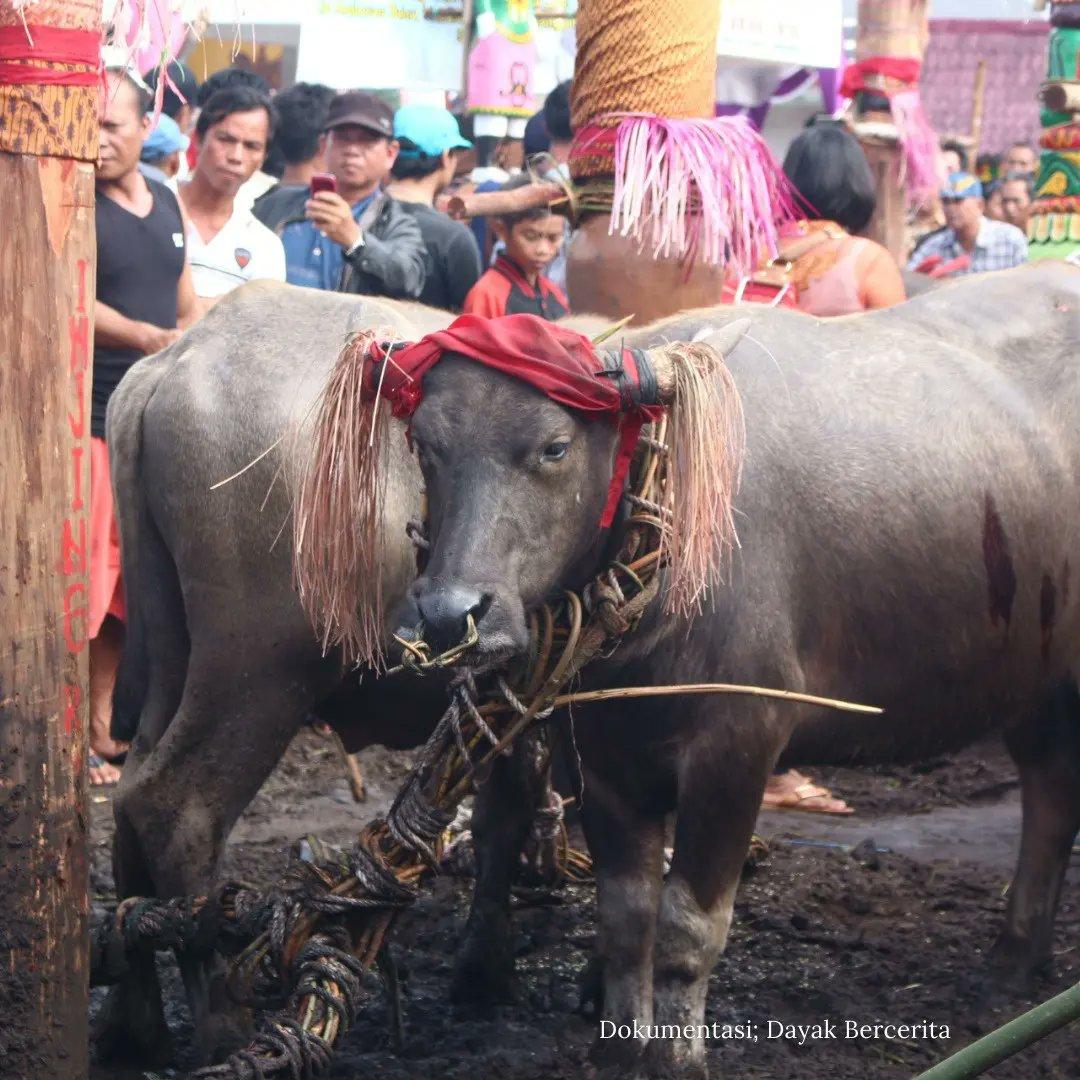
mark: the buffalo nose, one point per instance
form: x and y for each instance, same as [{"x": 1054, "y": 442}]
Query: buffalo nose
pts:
[{"x": 445, "y": 611}]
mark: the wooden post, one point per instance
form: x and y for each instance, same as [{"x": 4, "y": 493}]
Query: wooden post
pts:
[
  {"x": 612, "y": 275},
  {"x": 888, "y": 226},
  {"x": 48, "y": 136},
  {"x": 894, "y": 29},
  {"x": 977, "y": 101}
]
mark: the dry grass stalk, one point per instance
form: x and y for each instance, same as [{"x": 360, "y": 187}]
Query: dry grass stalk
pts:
[
  {"x": 338, "y": 499},
  {"x": 707, "y": 438}
]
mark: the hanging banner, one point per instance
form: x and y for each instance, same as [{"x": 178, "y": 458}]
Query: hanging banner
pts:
[
  {"x": 792, "y": 33},
  {"x": 379, "y": 45}
]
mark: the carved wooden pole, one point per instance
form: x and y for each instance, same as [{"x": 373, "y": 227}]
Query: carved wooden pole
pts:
[
  {"x": 890, "y": 40},
  {"x": 672, "y": 200},
  {"x": 49, "y": 100}
]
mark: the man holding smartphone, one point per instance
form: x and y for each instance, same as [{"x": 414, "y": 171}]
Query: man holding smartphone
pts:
[{"x": 344, "y": 233}]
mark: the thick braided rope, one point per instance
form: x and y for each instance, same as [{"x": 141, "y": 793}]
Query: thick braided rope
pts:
[{"x": 641, "y": 56}]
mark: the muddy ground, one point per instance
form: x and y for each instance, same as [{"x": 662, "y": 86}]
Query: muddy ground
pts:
[{"x": 820, "y": 934}]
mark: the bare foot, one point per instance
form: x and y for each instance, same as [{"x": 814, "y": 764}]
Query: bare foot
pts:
[
  {"x": 101, "y": 742},
  {"x": 103, "y": 746},
  {"x": 794, "y": 791},
  {"x": 101, "y": 772}
]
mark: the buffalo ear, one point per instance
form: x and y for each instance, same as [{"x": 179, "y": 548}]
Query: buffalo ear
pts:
[{"x": 706, "y": 440}]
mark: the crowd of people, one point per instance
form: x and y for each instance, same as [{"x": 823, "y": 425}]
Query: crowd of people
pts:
[{"x": 230, "y": 183}]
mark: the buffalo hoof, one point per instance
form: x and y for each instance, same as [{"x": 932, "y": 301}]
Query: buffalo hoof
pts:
[
  {"x": 1013, "y": 964},
  {"x": 669, "y": 1060},
  {"x": 484, "y": 977},
  {"x": 130, "y": 1028}
]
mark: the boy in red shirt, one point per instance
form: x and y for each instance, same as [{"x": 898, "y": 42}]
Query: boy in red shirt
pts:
[{"x": 515, "y": 284}]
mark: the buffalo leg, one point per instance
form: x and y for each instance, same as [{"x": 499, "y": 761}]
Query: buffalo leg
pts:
[
  {"x": 503, "y": 812},
  {"x": 131, "y": 1021},
  {"x": 627, "y": 847},
  {"x": 717, "y": 809},
  {"x": 1048, "y": 756},
  {"x": 228, "y": 734}
]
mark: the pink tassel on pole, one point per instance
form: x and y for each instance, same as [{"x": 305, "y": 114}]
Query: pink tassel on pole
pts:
[
  {"x": 920, "y": 146},
  {"x": 707, "y": 189}
]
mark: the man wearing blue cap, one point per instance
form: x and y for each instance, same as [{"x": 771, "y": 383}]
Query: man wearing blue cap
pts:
[
  {"x": 161, "y": 152},
  {"x": 971, "y": 243},
  {"x": 430, "y": 142}
]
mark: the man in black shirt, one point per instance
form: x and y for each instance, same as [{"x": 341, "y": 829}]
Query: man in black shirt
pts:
[
  {"x": 430, "y": 142},
  {"x": 144, "y": 293}
]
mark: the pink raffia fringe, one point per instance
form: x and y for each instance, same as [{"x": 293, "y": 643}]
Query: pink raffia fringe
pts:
[
  {"x": 920, "y": 146},
  {"x": 707, "y": 189}
]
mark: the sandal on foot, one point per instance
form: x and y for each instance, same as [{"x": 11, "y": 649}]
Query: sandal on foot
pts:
[{"x": 807, "y": 797}]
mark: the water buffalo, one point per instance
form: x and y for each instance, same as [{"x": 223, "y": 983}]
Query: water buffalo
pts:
[
  {"x": 222, "y": 666},
  {"x": 908, "y": 518}
]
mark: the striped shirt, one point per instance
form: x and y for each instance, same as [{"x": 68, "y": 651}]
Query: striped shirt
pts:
[{"x": 998, "y": 246}]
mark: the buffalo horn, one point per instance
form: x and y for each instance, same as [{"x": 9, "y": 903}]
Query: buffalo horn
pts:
[{"x": 722, "y": 343}]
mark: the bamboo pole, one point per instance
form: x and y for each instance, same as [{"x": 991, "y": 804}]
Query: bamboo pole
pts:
[
  {"x": 47, "y": 137},
  {"x": 1010, "y": 1039},
  {"x": 977, "y": 101},
  {"x": 621, "y": 693}
]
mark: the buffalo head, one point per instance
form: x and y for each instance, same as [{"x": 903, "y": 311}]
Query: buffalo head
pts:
[{"x": 516, "y": 485}]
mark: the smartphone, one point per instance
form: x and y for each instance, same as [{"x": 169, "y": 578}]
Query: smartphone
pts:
[{"x": 323, "y": 182}]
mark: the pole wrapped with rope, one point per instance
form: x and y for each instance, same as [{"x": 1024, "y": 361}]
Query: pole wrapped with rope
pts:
[{"x": 670, "y": 198}]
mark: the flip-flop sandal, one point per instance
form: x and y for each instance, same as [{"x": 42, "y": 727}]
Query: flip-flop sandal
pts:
[
  {"x": 96, "y": 761},
  {"x": 798, "y": 796},
  {"x": 809, "y": 790}
]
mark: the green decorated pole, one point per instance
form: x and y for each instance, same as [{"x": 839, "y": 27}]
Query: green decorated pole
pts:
[
  {"x": 1054, "y": 227},
  {"x": 1010, "y": 1039}
]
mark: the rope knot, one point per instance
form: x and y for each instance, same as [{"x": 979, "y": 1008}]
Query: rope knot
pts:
[{"x": 607, "y": 599}]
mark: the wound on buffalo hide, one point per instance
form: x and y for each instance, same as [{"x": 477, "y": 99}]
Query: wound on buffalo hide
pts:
[
  {"x": 1047, "y": 613},
  {"x": 1000, "y": 575}
]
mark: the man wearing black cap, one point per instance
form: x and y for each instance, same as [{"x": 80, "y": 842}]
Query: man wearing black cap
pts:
[{"x": 356, "y": 239}]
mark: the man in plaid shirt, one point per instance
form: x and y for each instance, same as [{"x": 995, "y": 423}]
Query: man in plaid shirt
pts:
[{"x": 971, "y": 243}]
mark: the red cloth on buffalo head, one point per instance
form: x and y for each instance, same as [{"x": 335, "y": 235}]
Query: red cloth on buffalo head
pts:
[{"x": 561, "y": 363}]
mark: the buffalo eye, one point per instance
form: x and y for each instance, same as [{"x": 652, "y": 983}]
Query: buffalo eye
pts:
[{"x": 557, "y": 450}]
